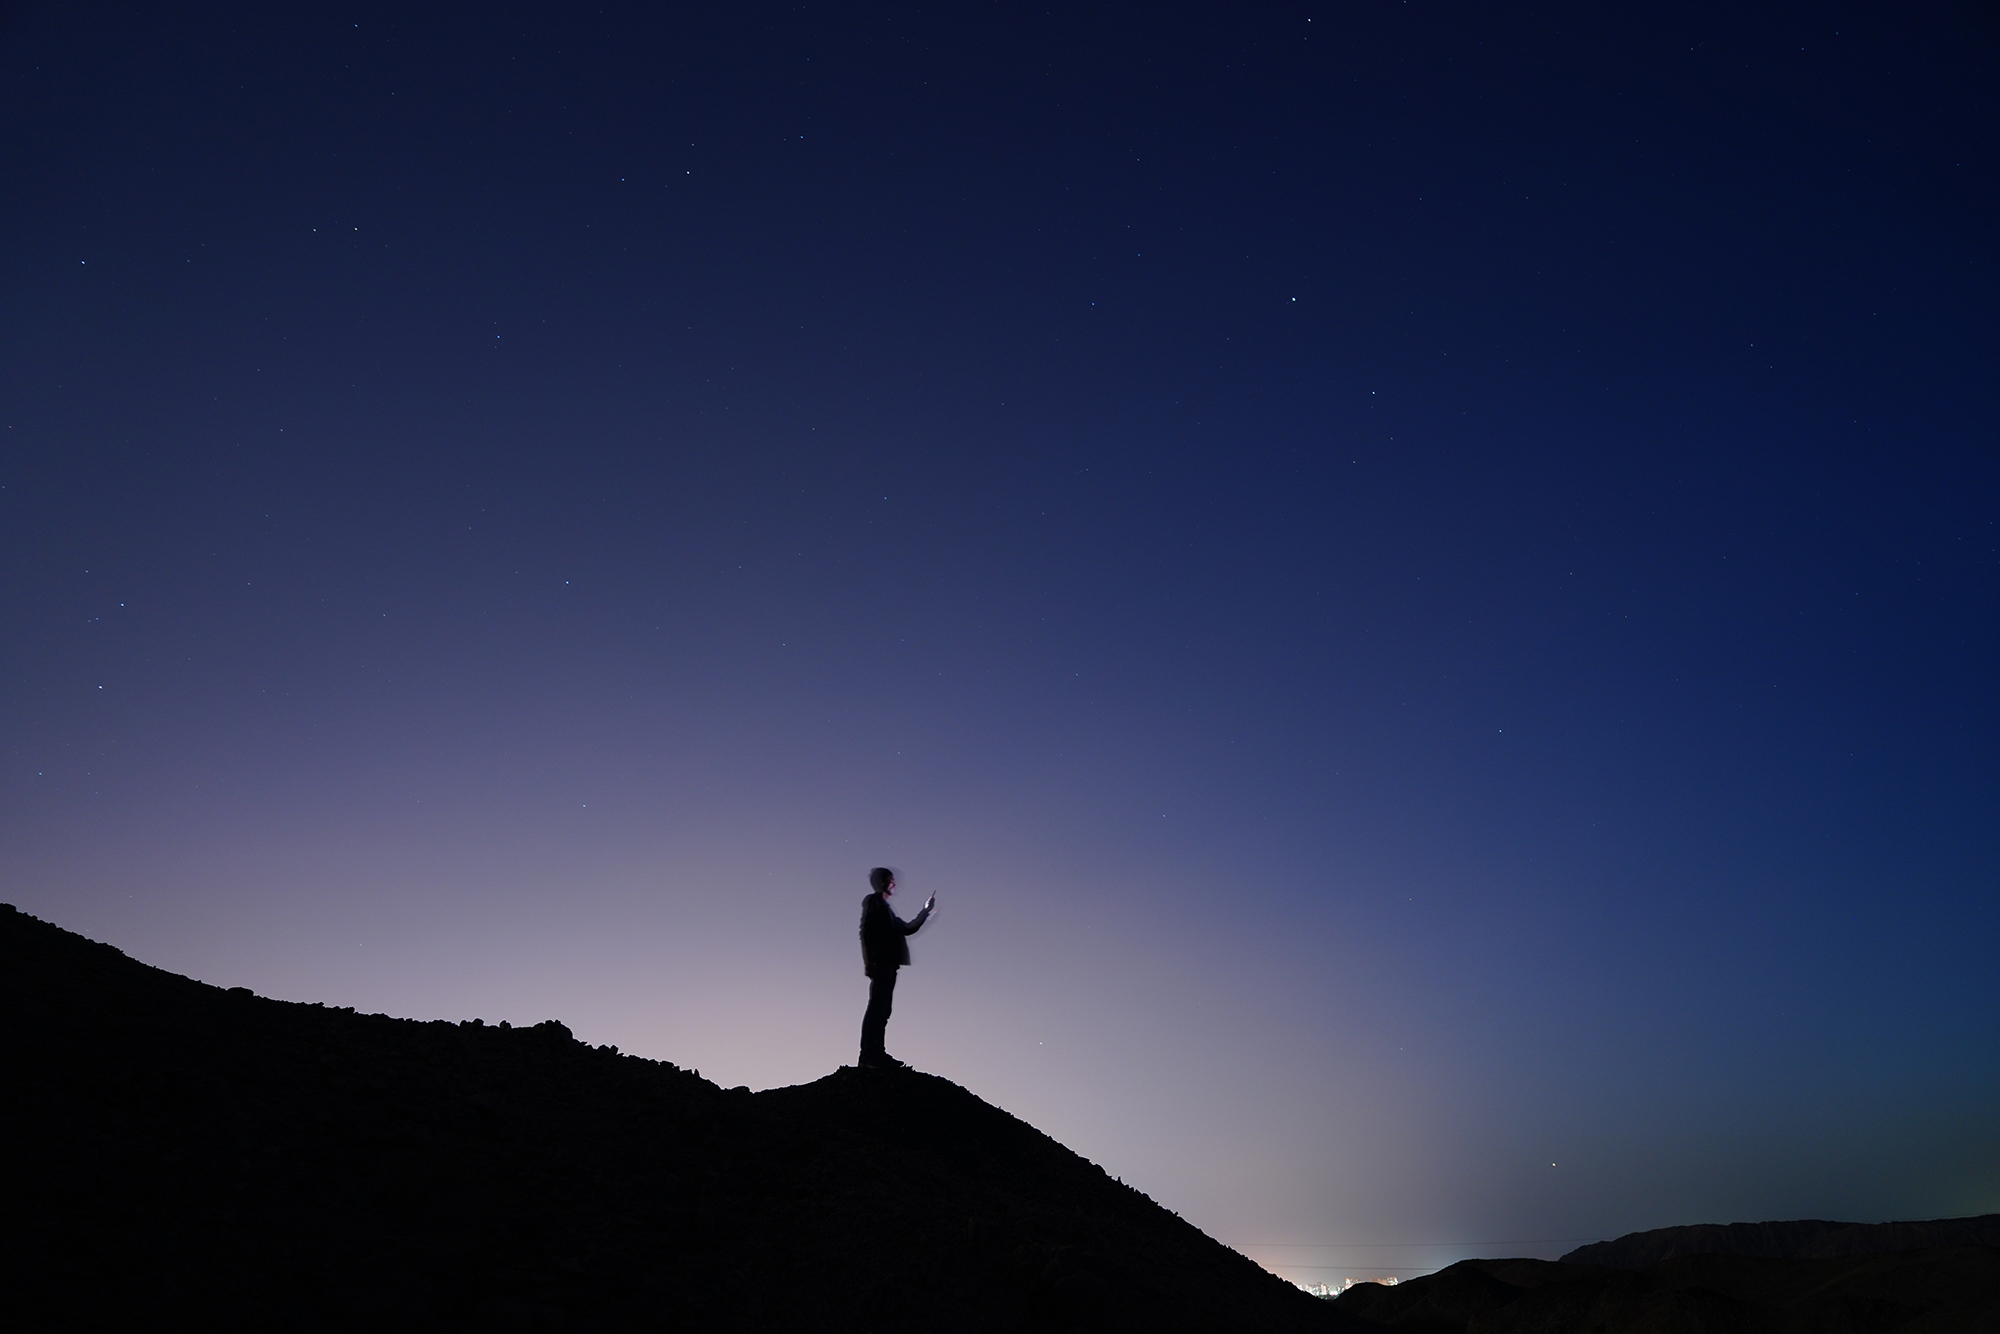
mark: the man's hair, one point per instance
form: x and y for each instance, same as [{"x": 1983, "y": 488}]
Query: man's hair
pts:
[{"x": 880, "y": 877}]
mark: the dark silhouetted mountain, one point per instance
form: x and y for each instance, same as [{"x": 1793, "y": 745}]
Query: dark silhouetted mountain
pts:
[
  {"x": 183, "y": 1155},
  {"x": 1806, "y": 1239},
  {"x": 1954, "y": 1290}
]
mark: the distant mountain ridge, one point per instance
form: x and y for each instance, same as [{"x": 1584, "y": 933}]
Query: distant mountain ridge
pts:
[
  {"x": 185, "y": 1155},
  {"x": 1805, "y": 1239},
  {"x": 1949, "y": 1290}
]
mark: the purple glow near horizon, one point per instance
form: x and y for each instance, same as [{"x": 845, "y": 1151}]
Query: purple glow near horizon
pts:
[{"x": 1428, "y": 616}]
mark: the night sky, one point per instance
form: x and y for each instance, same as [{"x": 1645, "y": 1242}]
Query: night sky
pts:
[{"x": 1422, "y": 581}]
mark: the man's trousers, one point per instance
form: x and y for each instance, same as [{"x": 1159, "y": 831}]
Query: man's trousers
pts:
[{"x": 875, "y": 1021}]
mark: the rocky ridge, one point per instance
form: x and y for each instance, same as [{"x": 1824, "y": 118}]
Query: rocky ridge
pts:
[{"x": 184, "y": 1153}]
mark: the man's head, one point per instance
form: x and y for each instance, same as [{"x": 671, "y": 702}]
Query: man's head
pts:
[{"x": 882, "y": 880}]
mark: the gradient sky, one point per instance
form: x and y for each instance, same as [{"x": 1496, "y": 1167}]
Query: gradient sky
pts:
[{"x": 1420, "y": 580}]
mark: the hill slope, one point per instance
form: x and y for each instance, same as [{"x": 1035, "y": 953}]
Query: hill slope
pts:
[{"x": 183, "y": 1153}]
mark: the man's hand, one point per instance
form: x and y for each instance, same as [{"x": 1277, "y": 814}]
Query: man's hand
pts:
[{"x": 930, "y": 904}]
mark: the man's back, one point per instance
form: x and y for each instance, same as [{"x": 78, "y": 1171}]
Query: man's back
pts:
[{"x": 884, "y": 943}]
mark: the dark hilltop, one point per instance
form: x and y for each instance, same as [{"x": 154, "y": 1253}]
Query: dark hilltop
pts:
[{"x": 183, "y": 1154}]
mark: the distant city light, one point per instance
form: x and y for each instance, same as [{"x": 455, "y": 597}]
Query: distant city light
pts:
[{"x": 1331, "y": 1290}]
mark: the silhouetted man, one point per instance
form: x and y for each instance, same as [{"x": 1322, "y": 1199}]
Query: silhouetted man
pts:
[{"x": 884, "y": 949}]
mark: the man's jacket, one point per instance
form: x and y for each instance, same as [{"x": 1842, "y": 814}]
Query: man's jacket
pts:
[{"x": 883, "y": 946}]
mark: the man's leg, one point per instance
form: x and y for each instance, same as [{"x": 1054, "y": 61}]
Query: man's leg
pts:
[{"x": 875, "y": 1022}]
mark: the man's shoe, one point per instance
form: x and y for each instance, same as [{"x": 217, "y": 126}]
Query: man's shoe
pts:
[{"x": 880, "y": 1060}]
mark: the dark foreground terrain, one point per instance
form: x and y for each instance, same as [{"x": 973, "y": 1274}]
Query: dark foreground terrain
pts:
[{"x": 182, "y": 1155}]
